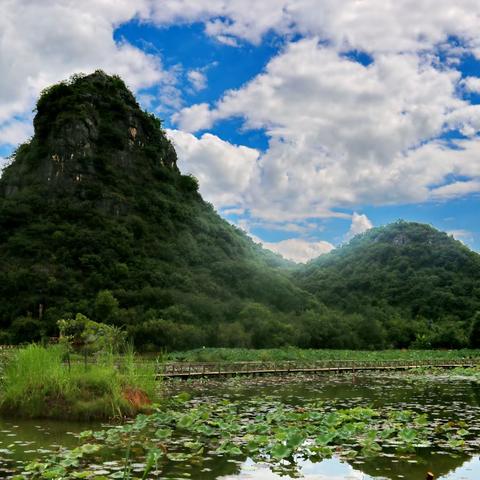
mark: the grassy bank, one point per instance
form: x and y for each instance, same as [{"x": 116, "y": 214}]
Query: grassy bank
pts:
[
  {"x": 38, "y": 383},
  {"x": 291, "y": 353}
]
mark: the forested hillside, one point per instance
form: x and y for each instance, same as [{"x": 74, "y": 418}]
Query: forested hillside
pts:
[
  {"x": 420, "y": 283},
  {"x": 95, "y": 218}
]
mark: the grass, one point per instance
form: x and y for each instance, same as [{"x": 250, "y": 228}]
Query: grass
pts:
[
  {"x": 292, "y": 353},
  {"x": 37, "y": 383}
]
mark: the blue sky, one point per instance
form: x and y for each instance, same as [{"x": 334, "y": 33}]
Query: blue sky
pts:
[{"x": 305, "y": 123}]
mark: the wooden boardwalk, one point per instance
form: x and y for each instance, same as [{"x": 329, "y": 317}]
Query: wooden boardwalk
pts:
[{"x": 198, "y": 370}]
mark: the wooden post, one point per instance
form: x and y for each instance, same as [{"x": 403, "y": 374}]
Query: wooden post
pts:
[{"x": 429, "y": 476}]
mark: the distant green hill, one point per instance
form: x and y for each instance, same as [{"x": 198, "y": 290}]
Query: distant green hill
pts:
[
  {"x": 95, "y": 202},
  {"x": 408, "y": 276}
]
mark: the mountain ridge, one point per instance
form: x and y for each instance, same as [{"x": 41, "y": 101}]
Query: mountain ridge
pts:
[{"x": 96, "y": 218}]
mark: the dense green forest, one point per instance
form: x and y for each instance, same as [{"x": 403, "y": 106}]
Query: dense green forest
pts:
[
  {"x": 419, "y": 284},
  {"x": 95, "y": 218}
]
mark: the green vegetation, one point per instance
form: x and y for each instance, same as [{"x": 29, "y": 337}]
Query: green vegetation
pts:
[
  {"x": 409, "y": 285},
  {"x": 97, "y": 220},
  {"x": 292, "y": 353},
  {"x": 37, "y": 383},
  {"x": 266, "y": 430}
]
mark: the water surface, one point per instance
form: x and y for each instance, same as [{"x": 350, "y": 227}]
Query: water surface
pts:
[{"x": 442, "y": 397}]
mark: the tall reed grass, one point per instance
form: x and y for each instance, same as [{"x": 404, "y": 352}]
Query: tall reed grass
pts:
[{"x": 37, "y": 383}]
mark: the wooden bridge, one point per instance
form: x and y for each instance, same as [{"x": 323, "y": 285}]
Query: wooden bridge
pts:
[{"x": 217, "y": 369}]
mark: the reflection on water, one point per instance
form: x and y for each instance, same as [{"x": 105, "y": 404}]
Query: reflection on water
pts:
[
  {"x": 440, "y": 397},
  {"x": 470, "y": 470},
  {"x": 24, "y": 440},
  {"x": 331, "y": 469},
  {"x": 334, "y": 469}
]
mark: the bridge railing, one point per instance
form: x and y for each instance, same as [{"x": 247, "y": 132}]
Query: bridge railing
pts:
[{"x": 210, "y": 368}]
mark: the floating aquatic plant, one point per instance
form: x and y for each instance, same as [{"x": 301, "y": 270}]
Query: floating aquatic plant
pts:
[{"x": 264, "y": 429}]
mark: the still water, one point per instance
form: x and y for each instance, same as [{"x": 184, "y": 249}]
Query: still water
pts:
[{"x": 441, "y": 397}]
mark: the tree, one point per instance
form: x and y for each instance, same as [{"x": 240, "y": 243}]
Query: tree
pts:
[
  {"x": 81, "y": 333},
  {"x": 475, "y": 331},
  {"x": 26, "y": 329},
  {"x": 106, "y": 306}
]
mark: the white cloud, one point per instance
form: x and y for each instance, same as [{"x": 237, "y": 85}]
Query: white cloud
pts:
[
  {"x": 225, "y": 20},
  {"x": 15, "y": 131},
  {"x": 456, "y": 189},
  {"x": 226, "y": 40},
  {"x": 233, "y": 211},
  {"x": 197, "y": 79},
  {"x": 464, "y": 236},
  {"x": 343, "y": 134},
  {"x": 224, "y": 170},
  {"x": 472, "y": 84},
  {"x": 298, "y": 249},
  {"x": 373, "y": 26},
  {"x": 360, "y": 224},
  {"x": 194, "y": 118},
  {"x": 465, "y": 119}
]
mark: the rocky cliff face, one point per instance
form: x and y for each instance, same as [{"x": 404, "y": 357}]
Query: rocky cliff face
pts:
[{"x": 87, "y": 129}]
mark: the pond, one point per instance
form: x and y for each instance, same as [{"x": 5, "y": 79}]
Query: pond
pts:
[
  {"x": 25, "y": 440},
  {"x": 372, "y": 426}
]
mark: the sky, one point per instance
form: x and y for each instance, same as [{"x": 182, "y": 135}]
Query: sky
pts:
[{"x": 305, "y": 121}]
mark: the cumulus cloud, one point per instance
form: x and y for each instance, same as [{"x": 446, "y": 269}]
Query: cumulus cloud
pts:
[
  {"x": 360, "y": 223},
  {"x": 299, "y": 250},
  {"x": 197, "y": 79},
  {"x": 373, "y": 26},
  {"x": 194, "y": 118},
  {"x": 472, "y": 84},
  {"x": 225, "y": 20},
  {"x": 342, "y": 133},
  {"x": 15, "y": 131},
  {"x": 224, "y": 171},
  {"x": 456, "y": 189},
  {"x": 233, "y": 211}
]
